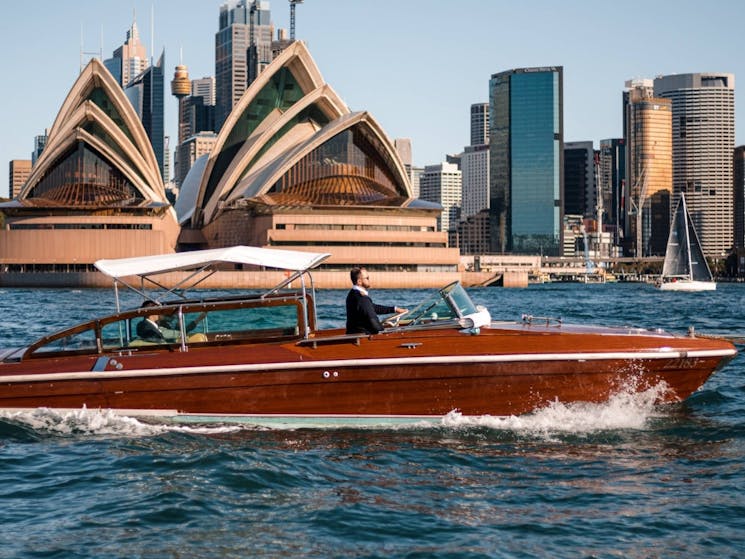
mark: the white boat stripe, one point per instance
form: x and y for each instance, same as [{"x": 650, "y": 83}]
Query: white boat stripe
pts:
[{"x": 340, "y": 363}]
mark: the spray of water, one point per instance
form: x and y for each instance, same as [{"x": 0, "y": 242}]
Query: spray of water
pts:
[{"x": 626, "y": 409}]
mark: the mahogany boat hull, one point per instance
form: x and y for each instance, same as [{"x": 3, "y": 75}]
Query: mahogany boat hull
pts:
[{"x": 508, "y": 369}]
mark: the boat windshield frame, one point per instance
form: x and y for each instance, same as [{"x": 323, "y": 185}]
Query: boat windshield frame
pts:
[{"x": 447, "y": 306}]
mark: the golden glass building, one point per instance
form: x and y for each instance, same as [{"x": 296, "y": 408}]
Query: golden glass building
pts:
[{"x": 650, "y": 168}]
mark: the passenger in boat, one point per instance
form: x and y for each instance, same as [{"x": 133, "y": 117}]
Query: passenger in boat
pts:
[
  {"x": 163, "y": 328},
  {"x": 362, "y": 313},
  {"x": 148, "y": 329}
]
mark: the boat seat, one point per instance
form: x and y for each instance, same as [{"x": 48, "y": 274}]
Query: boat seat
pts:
[
  {"x": 139, "y": 342},
  {"x": 197, "y": 337}
]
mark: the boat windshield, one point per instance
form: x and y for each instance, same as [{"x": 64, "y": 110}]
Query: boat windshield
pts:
[{"x": 449, "y": 303}]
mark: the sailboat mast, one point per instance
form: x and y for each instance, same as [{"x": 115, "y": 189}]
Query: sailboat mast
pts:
[{"x": 688, "y": 239}]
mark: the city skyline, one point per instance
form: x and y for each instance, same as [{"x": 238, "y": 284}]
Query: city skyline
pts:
[{"x": 416, "y": 67}]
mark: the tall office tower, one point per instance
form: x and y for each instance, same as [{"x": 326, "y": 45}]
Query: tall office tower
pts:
[
  {"x": 739, "y": 191},
  {"x": 282, "y": 41},
  {"x": 403, "y": 148},
  {"x": 166, "y": 159},
  {"x": 649, "y": 161},
  {"x": 202, "y": 105},
  {"x": 579, "y": 179},
  {"x": 441, "y": 183},
  {"x": 129, "y": 60},
  {"x": 146, "y": 92},
  {"x": 201, "y": 117},
  {"x": 703, "y": 107},
  {"x": 242, "y": 50},
  {"x": 415, "y": 176},
  {"x": 479, "y": 124},
  {"x": 19, "y": 170},
  {"x": 611, "y": 181},
  {"x": 526, "y": 143},
  {"x": 475, "y": 176},
  {"x": 196, "y": 103},
  {"x": 191, "y": 149},
  {"x": 204, "y": 88},
  {"x": 40, "y": 143}
]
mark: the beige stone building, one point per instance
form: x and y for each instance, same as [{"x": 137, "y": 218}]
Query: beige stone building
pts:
[{"x": 19, "y": 170}]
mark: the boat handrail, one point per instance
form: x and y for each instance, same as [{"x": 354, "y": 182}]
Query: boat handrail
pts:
[
  {"x": 529, "y": 319},
  {"x": 343, "y": 338}
]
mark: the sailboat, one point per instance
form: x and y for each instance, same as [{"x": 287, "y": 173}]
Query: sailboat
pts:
[{"x": 685, "y": 267}]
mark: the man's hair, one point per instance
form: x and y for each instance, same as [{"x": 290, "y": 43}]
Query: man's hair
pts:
[{"x": 354, "y": 275}]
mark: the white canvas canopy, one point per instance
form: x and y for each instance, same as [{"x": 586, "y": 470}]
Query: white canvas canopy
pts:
[{"x": 201, "y": 259}]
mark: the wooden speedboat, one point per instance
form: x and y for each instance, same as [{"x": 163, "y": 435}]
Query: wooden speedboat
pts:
[{"x": 260, "y": 358}]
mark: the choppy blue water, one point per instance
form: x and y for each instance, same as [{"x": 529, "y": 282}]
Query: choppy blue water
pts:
[{"x": 623, "y": 479}]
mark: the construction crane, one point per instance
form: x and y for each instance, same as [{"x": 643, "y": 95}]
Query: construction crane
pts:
[
  {"x": 637, "y": 208},
  {"x": 293, "y": 3},
  {"x": 253, "y": 51},
  {"x": 251, "y": 25}
]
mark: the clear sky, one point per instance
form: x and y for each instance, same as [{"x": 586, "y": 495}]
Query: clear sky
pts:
[{"x": 416, "y": 65}]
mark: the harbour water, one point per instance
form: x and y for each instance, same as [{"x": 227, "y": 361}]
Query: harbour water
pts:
[{"x": 623, "y": 479}]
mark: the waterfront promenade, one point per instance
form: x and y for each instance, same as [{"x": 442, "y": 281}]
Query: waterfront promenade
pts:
[{"x": 485, "y": 270}]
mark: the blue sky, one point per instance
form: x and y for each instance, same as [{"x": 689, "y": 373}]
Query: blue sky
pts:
[{"x": 416, "y": 65}]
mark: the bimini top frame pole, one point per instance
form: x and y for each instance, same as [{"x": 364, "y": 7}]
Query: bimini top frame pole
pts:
[{"x": 207, "y": 261}]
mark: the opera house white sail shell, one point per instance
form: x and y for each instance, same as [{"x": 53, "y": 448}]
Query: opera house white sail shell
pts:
[
  {"x": 294, "y": 167},
  {"x": 95, "y": 191}
]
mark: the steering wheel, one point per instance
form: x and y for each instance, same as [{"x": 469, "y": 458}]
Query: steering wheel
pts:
[{"x": 392, "y": 321}]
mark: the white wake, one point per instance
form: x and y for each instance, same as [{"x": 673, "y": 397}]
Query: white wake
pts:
[
  {"x": 627, "y": 409},
  {"x": 100, "y": 422}
]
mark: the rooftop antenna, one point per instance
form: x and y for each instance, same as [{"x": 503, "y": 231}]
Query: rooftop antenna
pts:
[
  {"x": 84, "y": 53},
  {"x": 152, "y": 33},
  {"x": 293, "y": 3}
]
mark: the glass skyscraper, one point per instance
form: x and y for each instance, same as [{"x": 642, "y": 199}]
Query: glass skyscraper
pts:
[
  {"x": 237, "y": 61},
  {"x": 145, "y": 92},
  {"x": 526, "y": 160},
  {"x": 611, "y": 182},
  {"x": 479, "y": 124}
]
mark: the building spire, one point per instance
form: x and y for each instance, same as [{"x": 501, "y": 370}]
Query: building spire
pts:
[{"x": 133, "y": 34}]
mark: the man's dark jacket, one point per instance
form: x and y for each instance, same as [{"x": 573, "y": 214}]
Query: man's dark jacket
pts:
[{"x": 362, "y": 314}]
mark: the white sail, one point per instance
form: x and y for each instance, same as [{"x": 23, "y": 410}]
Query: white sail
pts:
[{"x": 685, "y": 267}]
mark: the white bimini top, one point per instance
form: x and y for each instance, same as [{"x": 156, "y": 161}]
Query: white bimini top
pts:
[{"x": 270, "y": 258}]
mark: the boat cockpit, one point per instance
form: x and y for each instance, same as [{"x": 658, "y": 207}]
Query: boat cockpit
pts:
[{"x": 181, "y": 325}]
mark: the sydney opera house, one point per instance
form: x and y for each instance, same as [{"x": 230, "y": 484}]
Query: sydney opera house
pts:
[{"x": 292, "y": 167}]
